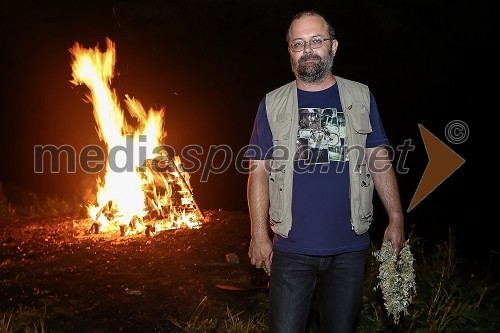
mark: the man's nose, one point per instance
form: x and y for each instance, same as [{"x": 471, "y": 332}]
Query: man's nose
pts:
[{"x": 307, "y": 48}]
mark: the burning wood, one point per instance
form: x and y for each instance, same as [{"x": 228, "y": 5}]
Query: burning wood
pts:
[
  {"x": 155, "y": 195},
  {"x": 150, "y": 230},
  {"x": 94, "y": 228}
]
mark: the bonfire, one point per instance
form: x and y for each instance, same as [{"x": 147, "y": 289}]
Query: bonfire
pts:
[{"x": 144, "y": 189}]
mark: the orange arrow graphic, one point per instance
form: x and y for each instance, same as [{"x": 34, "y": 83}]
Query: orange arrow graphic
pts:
[{"x": 442, "y": 163}]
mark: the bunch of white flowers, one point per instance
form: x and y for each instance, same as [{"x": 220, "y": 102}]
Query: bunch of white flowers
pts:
[{"x": 396, "y": 278}]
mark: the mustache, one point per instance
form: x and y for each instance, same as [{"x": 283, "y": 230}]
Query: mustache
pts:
[{"x": 309, "y": 57}]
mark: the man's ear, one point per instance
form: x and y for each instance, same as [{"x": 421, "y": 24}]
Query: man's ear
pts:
[{"x": 335, "y": 45}]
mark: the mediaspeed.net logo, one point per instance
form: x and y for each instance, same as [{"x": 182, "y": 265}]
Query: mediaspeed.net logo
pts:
[{"x": 217, "y": 159}]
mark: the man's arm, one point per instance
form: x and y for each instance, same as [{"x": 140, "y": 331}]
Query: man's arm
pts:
[
  {"x": 261, "y": 246},
  {"x": 384, "y": 179}
]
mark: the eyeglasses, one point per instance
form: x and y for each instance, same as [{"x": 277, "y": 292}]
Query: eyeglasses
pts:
[{"x": 315, "y": 43}]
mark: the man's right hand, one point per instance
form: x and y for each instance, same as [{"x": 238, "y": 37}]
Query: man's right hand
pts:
[
  {"x": 260, "y": 253},
  {"x": 261, "y": 247}
]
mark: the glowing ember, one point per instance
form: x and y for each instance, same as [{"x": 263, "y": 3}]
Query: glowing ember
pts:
[{"x": 155, "y": 188}]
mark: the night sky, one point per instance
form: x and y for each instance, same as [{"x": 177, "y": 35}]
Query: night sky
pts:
[{"x": 209, "y": 63}]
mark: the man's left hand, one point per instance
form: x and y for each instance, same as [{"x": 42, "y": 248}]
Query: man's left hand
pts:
[{"x": 395, "y": 232}]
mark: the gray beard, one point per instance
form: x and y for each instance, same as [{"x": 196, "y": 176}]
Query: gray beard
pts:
[{"x": 313, "y": 72}]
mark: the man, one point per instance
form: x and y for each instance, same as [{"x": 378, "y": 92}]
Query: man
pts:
[{"x": 319, "y": 211}]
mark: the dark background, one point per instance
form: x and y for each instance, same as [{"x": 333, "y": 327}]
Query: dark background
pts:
[{"x": 209, "y": 63}]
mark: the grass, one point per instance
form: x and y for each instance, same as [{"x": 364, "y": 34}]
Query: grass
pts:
[
  {"x": 5, "y": 323},
  {"x": 451, "y": 297},
  {"x": 196, "y": 323},
  {"x": 23, "y": 320},
  {"x": 255, "y": 323},
  {"x": 200, "y": 321}
]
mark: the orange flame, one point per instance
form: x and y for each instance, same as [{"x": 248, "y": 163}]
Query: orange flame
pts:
[{"x": 122, "y": 192}]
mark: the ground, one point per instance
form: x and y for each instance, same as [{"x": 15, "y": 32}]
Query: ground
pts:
[
  {"x": 56, "y": 274},
  {"x": 87, "y": 282}
]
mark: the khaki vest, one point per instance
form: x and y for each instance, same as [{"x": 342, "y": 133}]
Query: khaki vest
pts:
[{"x": 282, "y": 113}]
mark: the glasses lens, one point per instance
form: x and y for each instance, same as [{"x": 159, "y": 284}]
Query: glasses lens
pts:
[
  {"x": 316, "y": 42},
  {"x": 298, "y": 45}
]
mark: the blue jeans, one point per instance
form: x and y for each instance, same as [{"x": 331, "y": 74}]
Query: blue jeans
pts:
[{"x": 293, "y": 280}]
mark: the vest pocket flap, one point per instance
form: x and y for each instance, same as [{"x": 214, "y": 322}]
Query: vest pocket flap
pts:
[
  {"x": 360, "y": 118},
  {"x": 280, "y": 129},
  {"x": 276, "y": 195}
]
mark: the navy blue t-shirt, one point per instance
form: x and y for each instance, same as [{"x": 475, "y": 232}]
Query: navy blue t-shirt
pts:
[{"x": 320, "y": 202}]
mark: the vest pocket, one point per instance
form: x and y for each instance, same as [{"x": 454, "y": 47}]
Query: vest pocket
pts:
[
  {"x": 361, "y": 200},
  {"x": 360, "y": 118},
  {"x": 280, "y": 129},
  {"x": 366, "y": 194},
  {"x": 281, "y": 132},
  {"x": 276, "y": 195}
]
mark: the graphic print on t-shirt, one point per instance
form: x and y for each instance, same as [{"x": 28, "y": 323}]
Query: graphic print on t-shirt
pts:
[{"x": 321, "y": 135}]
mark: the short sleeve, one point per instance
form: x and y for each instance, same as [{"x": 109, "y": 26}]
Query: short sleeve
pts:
[
  {"x": 377, "y": 137},
  {"x": 261, "y": 141}
]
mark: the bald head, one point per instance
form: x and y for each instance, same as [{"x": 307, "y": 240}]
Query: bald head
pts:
[{"x": 307, "y": 14}]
